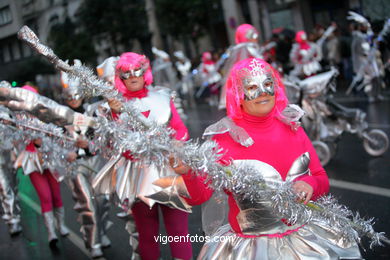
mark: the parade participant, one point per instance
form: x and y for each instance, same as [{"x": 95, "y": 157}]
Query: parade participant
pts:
[
  {"x": 46, "y": 186},
  {"x": 367, "y": 64},
  {"x": 258, "y": 133},
  {"x": 164, "y": 75},
  {"x": 163, "y": 72},
  {"x": 246, "y": 46},
  {"x": 92, "y": 208},
  {"x": 183, "y": 66},
  {"x": 305, "y": 56},
  {"x": 8, "y": 186},
  {"x": 210, "y": 79},
  {"x": 134, "y": 178}
]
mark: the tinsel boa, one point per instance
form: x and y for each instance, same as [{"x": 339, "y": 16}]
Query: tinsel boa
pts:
[
  {"x": 22, "y": 128},
  {"x": 155, "y": 143}
]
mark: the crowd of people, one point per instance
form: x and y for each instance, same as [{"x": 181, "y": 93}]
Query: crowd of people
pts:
[{"x": 261, "y": 132}]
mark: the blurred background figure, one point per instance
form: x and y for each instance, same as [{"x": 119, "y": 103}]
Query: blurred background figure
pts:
[
  {"x": 163, "y": 72},
  {"x": 247, "y": 46},
  {"x": 186, "y": 86},
  {"x": 367, "y": 64},
  {"x": 210, "y": 80}
]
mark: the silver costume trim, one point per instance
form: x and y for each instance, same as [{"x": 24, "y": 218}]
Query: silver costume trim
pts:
[
  {"x": 290, "y": 116},
  {"x": 135, "y": 180},
  {"x": 316, "y": 240},
  {"x": 8, "y": 190},
  {"x": 227, "y": 125},
  {"x": 92, "y": 208}
]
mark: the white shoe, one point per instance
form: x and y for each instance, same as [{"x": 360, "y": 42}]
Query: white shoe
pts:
[
  {"x": 96, "y": 252},
  {"x": 105, "y": 241}
]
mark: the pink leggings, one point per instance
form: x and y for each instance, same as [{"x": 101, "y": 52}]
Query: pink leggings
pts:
[
  {"x": 48, "y": 190},
  {"x": 176, "y": 224}
]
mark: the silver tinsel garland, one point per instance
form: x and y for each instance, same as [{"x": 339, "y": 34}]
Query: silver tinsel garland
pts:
[
  {"x": 25, "y": 128},
  {"x": 152, "y": 142}
]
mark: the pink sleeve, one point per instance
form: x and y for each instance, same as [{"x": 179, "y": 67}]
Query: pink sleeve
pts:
[
  {"x": 318, "y": 178},
  {"x": 198, "y": 190},
  {"x": 177, "y": 124}
]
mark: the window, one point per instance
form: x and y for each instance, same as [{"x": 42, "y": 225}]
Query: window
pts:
[{"x": 5, "y": 15}]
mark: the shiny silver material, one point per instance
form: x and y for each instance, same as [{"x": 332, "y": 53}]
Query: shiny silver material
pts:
[
  {"x": 70, "y": 85},
  {"x": 8, "y": 191},
  {"x": 59, "y": 214},
  {"x": 138, "y": 72},
  {"x": 42, "y": 107},
  {"x": 173, "y": 189},
  {"x": 133, "y": 180},
  {"x": 92, "y": 208},
  {"x": 256, "y": 81},
  {"x": 133, "y": 241},
  {"x": 300, "y": 166},
  {"x": 27, "y": 35},
  {"x": 258, "y": 221},
  {"x": 251, "y": 34},
  {"x": 325, "y": 120},
  {"x": 307, "y": 243},
  {"x": 48, "y": 218},
  {"x": 227, "y": 125}
]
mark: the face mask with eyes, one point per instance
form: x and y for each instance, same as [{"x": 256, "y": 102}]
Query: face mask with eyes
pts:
[
  {"x": 251, "y": 34},
  {"x": 256, "y": 81},
  {"x": 137, "y": 71}
]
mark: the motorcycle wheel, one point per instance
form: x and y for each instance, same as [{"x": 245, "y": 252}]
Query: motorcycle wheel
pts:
[
  {"x": 377, "y": 142},
  {"x": 332, "y": 148},
  {"x": 323, "y": 152}
]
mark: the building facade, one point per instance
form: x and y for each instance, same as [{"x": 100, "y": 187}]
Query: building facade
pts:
[{"x": 265, "y": 15}]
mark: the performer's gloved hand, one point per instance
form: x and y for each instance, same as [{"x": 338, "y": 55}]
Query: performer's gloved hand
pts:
[
  {"x": 178, "y": 166},
  {"x": 303, "y": 190},
  {"x": 115, "y": 105},
  {"x": 71, "y": 156}
]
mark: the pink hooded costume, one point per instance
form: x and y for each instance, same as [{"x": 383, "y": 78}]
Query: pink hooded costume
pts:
[
  {"x": 155, "y": 104},
  {"x": 246, "y": 47},
  {"x": 305, "y": 56},
  {"x": 271, "y": 145}
]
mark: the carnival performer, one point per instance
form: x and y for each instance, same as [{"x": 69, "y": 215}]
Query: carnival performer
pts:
[
  {"x": 8, "y": 185},
  {"x": 46, "y": 185},
  {"x": 164, "y": 75},
  {"x": 92, "y": 208},
  {"x": 306, "y": 55},
  {"x": 246, "y": 46},
  {"x": 134, "y": 178},
  {"x": 367, "y": 64},
  {"x": 163, "y": 72},
  {"x": 258, "y": 133},
  {"x": 183, "y": 66},
  {"x": 210, "y": 79}
]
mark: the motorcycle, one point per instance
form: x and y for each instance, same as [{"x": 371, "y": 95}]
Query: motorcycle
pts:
[{"x": 326, "y": 120}]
